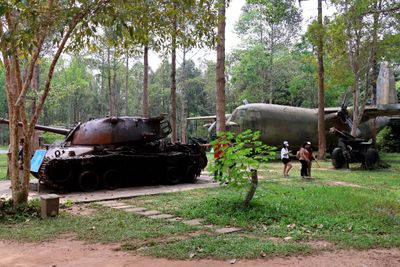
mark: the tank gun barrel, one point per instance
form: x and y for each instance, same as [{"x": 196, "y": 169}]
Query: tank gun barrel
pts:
[{"x": 41, "y": 127}]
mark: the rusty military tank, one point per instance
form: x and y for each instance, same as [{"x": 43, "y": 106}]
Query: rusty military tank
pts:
[{"x": 118, "y": 152}]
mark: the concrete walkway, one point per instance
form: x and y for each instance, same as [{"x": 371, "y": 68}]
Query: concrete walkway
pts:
[{"x": 204, "y": 181}]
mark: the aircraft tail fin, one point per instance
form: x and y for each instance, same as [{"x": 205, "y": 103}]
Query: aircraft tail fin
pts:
[{"x": 385, "y": 86}]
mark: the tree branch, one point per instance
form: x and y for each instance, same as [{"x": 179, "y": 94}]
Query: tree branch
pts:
[
  {"x": 74, "y": 22},
  {"x": 394, "y": 8}
]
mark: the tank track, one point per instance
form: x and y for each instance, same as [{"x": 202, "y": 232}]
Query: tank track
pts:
[{"x": 123, "y": 168}]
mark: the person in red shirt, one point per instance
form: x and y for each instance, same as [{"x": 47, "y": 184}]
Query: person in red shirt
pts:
[{"x": 218, "y": 155}]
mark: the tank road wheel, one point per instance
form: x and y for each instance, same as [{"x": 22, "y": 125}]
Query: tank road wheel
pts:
[
  {"x": 173, "y": 176},
  {"x": 112, "y": 179},
  {"x": 371, "y": 158},
  {"x": 62, "y": 173},
  {"x": 190, "y": 175},
  {"x": 88, "y": 181},
  {"x": 338, "y": 160}
]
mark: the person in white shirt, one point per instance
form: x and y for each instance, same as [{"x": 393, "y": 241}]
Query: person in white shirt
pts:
[{"x": 285, "y": 159}]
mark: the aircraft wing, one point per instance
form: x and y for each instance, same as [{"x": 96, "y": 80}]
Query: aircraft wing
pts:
[
  {"x": 206, "y": 118},
  {"x": 371, "y": 112}
]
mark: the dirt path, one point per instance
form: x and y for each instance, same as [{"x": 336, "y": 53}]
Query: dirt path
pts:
[{"x": 72, "y": 253}]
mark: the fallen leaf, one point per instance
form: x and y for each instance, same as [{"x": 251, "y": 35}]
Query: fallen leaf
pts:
[{"x": 233, "y": 261}]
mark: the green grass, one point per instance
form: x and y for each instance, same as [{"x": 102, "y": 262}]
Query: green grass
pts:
[
  {"x": 3, "y": 166},
  {"x": 106, "y": 225},
  {"x": 361, "y": 217}
]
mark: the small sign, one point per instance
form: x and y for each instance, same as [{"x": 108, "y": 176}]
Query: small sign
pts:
[{"x": 37, "y": 160}]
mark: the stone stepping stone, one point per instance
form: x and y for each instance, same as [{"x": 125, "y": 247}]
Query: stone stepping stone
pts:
[
  {"x": 193, "y": 222},
  {"x": 136, "y": 210},
  {"x": 174, "y": 220},
  {"x": 149, "y": 212},
  {"x": 121, "y": 207},
  {"x": 227, "y": 230},
  {"x": 161, "y": 216}
]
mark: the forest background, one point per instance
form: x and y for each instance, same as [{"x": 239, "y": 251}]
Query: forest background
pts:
[{"x": 275, "y": 63}]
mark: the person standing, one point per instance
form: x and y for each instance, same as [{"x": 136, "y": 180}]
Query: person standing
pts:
[
  {"x": 285, "y": 158},
  {"x": 311, "y": 158},
  {"x": 304, "y": 158},
  {"x": 21, "y": 153}
]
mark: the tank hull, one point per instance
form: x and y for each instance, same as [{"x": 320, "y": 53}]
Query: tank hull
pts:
[{"x": 122, "y": 167}]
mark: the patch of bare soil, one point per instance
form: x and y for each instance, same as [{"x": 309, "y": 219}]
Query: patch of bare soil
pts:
[
  {"x": 72, "y": 253},
  {"x": 80, "y": 209},
  {"x": 341, "y": 183},
  {"x": 320, "y": 244}
]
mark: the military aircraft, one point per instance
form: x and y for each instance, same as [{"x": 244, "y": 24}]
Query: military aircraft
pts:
[{"x": 297, "y": 125}]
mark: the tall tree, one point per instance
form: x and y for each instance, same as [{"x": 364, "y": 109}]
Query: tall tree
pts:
[
  {"x": 272, "y": 23},
  {"x": 184, "y": 100},
  {"x": 126, "y": 96},
  {"x": 358, "y": 40},
  {"x": 321, "y": 89},
  {"x": 191, "y": 26},
  {"x": 24, "y": 27},
  {"x": 173, "y": 75},
  {"x": 145, "y": 82},
  {"x": 220, "y": 68}
]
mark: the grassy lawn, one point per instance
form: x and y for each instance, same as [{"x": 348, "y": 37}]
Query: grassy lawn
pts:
[
  {"x": 3, "y": 166},
  {"x": 365, "y": 214},
  {"x": 105, "y": 225},
  {"x": 288, "y": 216}
]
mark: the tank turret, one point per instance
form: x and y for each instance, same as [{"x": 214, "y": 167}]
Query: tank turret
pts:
[{"x": 117, "y": 152}]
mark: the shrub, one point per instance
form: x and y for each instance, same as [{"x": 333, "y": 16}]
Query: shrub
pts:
[{"x": 388, "y": 139}]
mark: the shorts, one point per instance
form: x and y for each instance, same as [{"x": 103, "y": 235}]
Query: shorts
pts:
[{"x": 285, "y": 161}]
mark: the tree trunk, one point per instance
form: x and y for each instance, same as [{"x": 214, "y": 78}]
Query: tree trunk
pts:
[
  {"x": 146, "y": 82},
  {"x": 356, "y": 87},
  {"x": 126, "y": 83},
  {"x": 374, "y": 67},
  {"x": 271, "y": 67},
  {"x": 101, "y": 97},
  {"x": 173, "y": 93},
  {"x": 252, "y": 190},
  {"x": 184, "y": 100},
  {"x": 220, "y": 69},
  {"x": 321, "y": 89},
  {"x": 110, "y": 89},
  {"x": 173, "y": 82},
  {"x": 114, "y": 87}
]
